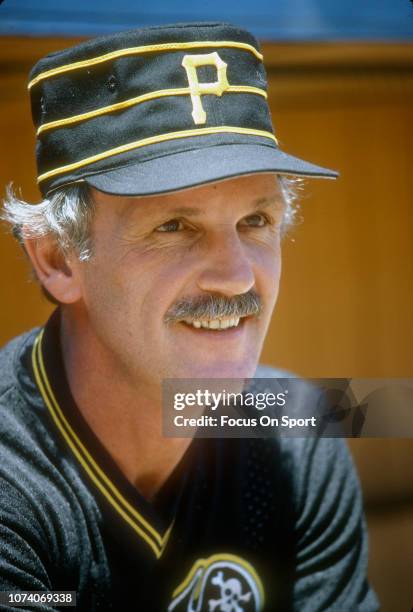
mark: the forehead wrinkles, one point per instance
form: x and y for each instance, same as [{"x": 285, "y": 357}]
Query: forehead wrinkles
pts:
[
  {"x": 146, "y": 208},
  {"x": 128, "y": 210},
  {"x": 156, "y": 208}
]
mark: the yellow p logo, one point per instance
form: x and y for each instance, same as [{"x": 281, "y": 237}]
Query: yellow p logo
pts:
[{"x": 197, "y": 89}]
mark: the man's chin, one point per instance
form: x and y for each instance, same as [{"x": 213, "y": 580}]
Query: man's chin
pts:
[{"x": 220, "y": 369}]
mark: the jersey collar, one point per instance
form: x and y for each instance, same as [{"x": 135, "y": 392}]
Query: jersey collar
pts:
[{"x": 151, "y": 522}]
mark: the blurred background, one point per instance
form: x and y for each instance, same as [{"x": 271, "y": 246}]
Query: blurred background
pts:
[{"x": 341, "y": 92}]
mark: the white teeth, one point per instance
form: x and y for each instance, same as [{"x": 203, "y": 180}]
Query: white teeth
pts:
[
  {"x": 215, "y": 323},
  {"x": 225, "y": 324}
]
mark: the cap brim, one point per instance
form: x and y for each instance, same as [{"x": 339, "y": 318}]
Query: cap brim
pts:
[{"x": 196, "y": 167}]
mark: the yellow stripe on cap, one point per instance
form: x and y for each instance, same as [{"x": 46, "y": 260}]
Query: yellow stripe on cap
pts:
[
  {"x": 162, "y": 47},
  {"x": 154, "y": 140},
  {"x": 182, "y": 91}
]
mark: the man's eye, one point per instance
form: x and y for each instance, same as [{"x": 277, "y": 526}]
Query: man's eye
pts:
[
  {"x": 256, "y": 220},
  {"x": 174, "y": 225}
]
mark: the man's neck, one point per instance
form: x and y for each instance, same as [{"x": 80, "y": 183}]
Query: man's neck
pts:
[{"x": 127, "y": 419}]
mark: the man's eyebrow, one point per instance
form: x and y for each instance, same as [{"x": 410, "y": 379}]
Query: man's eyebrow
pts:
[
  {"x": 258, "y": 203},
  {"x": 267, "y": 201},
  {"x": 185, "y": 210}
]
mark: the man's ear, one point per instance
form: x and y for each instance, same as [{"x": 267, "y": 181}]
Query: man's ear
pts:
[{"x": 53, "y": 269}]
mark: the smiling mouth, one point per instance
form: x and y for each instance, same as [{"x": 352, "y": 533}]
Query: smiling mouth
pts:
[{"x": 215, "y": 324}]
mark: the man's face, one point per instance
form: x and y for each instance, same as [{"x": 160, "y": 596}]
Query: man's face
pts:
[{"x": 220, "y": 240}]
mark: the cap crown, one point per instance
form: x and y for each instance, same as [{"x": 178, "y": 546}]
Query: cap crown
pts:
[{"x": 135, "y": 96}]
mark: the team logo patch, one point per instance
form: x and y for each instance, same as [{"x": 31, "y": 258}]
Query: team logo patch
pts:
[
  {"x": 221, "y": 583},
  {"x": 197, "y": 89}
]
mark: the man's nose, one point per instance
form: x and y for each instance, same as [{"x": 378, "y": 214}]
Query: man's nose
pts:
[{"x": 227, "y": 269}]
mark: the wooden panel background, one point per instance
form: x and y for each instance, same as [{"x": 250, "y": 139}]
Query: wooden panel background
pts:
[
  {"x": 347, "y": 291},
  {"x": 346, "y": 301}
]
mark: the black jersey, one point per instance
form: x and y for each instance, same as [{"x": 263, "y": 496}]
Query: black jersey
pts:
[{"x": 240, "y": 525}]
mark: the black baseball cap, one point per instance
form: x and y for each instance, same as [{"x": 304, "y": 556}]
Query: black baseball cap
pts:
[{"x": 156, "y": 110}]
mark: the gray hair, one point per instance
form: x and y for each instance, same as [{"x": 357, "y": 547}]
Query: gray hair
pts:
[
  {"x": 68, "y": 212},
  {"x": 291, "y": 189}
]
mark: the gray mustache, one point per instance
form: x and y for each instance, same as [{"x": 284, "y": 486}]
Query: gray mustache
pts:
[{"x": 215, "y": 306}]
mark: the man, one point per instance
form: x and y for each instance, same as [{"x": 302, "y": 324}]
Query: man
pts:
[{"x": 159, "y": 239}]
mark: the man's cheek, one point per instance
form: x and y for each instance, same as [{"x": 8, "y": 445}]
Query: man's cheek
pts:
[
  {"x": 104, "y": 295},
  {"x": 271, "y": 273}
]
